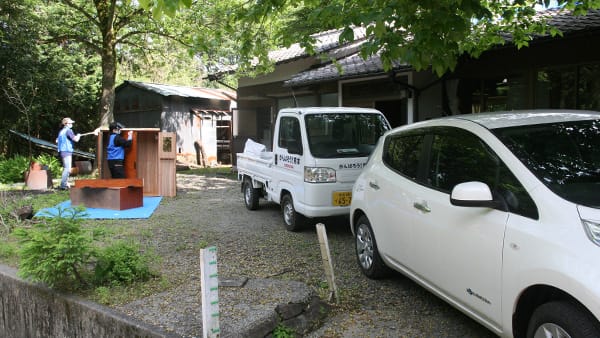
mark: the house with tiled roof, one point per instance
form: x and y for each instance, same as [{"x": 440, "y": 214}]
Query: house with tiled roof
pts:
[
  {"x": 201, "y": 117},
  {"x": 553, "y": 72}
]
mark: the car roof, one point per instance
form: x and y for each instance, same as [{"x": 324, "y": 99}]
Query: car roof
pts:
[{"x": 526, "y": 117}]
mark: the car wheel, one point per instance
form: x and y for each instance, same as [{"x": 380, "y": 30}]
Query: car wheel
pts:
[
  {"x": 293, "y": 221},
  {"x": 367, "y": 253},
  {"x": 251, "y": 195},
  {"x": 562, "y": 319}
]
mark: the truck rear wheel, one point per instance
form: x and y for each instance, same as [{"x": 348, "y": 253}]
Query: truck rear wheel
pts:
[
  {"x": 251, "y": 195},
  {"x": 293, "y": 221}
]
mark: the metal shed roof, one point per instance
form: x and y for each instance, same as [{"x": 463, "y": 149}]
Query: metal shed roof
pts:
[{"x": 182, "y": 91}]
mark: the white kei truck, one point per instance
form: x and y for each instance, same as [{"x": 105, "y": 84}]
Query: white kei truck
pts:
[{"x": 317, "y": 155}]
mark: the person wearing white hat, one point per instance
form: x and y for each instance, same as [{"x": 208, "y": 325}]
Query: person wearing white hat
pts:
[{"x": 65, "y": 140}]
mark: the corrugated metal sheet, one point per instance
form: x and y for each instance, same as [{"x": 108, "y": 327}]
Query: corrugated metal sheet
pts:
[
  {"x": 192, "y": 92},
  {"x": 51, "y": 146}
]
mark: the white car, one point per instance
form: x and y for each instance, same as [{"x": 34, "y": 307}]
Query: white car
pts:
[{"x": 498, "y": 214}]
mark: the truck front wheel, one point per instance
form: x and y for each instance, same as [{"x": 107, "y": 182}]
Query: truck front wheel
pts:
[
  {"x": 251, "y": 195},
  {"x": 293, "y": 221}
]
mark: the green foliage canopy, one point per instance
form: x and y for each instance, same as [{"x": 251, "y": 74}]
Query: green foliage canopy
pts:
[
  {"x": 40, "y": 83},
  {"x": 426, "y": 33}
]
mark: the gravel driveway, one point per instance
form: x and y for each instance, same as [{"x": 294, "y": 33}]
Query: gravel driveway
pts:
[{"x": 254, "y": 244}]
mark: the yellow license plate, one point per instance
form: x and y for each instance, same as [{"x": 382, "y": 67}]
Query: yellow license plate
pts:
[{"x": 342, "y": 198}]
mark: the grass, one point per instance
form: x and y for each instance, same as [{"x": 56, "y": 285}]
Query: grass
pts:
[
  {"x": 17, "y": 195},
  {"x": 120, "y": 294},
  {"x": 104, "y": 231},
  {"x": 223, "y": 171}
]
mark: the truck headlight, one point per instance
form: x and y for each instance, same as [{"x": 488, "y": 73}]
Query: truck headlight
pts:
[
  {"x": 592, "y": 230},
  {"x": 319, "y": 175}
]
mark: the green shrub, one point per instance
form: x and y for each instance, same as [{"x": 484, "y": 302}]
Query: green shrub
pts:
[
  {"x": 121, "y": 263},
  {"x": 52, "y": 162},
  {"x": 60, "y": 252},
  {"x": 56, "y": 250},
  {"x": 12, "y": 170}
]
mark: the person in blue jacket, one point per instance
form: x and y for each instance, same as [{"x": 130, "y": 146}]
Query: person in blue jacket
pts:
[
  {"x": 65, "y": 140},
  {"x": 115, "y": 151}
]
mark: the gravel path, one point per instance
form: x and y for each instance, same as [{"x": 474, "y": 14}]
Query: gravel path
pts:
[{"x": 254, "y": 244}]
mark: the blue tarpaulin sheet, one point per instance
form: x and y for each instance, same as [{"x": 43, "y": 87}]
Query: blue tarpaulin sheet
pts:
[{"x": 145, "y": 211}]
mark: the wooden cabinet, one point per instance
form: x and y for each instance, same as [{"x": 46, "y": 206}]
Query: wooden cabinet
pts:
[{"x": 151, "y": 157}]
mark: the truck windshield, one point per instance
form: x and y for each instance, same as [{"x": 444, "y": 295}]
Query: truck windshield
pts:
[{"x": 344, "y": 134}]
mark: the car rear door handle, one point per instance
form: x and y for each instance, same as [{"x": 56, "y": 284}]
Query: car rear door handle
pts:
[
  {"x": 421, "y": 206},
  {"x": 373, "y": 185}
]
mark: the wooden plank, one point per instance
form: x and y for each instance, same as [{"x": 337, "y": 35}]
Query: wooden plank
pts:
[
  {"x": 129, "y": 164},
  {"x": 327, "y": 262},
  {"x": 167, "y": 155},
  {"x": 109, "y": 183},
  {"x": 147, "y": 162}
]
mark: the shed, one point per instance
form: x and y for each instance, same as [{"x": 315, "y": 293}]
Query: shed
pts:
[{"x": 201, "y": 117}]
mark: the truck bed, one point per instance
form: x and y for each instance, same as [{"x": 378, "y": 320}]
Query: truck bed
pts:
[{"x": 258, "y": 167}]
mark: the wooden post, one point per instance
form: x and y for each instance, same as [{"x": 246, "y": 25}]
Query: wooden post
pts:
[
  {"x": 327, "y": 263},
  {"x": 210, "y": 292}
]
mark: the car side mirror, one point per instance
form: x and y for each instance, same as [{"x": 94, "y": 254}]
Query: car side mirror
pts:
[{"x": 475, "y": 194}]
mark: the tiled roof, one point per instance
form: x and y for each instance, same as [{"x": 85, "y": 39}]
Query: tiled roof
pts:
[
  {"x": 354, "y": 66},
  {"x": 182, "y": 91},
  {"x": 325, "y": 41},
  {"x": 568, "y": 23}
]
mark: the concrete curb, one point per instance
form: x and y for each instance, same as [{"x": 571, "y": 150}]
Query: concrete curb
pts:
[
  {"x": 248, "y": 308},
  {"x": 33, "y": 310}
]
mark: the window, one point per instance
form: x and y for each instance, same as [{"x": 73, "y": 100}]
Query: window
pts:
[
  {"x": 569, "y": 165},
  {"x": 289, "y": 134},
  {"x": 458, "y": 156},
  {"x": 571, "y": 87},
  {"x": 402, "y": 153},
  {"x": 334, "y": 135},
  {"x": 556, "y": 88}
]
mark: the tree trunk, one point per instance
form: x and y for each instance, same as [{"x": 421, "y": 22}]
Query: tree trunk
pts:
[
  {"x": 109, "y": 71},
  {"x": 106, "y": 17}
]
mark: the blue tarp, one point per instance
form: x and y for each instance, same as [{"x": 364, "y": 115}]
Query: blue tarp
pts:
[{"x": 145, "y": 211}]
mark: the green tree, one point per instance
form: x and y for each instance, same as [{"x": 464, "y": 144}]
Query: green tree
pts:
[
  {"x": 40, "y": 83},
  {"x": 135, "y": 33},
  {"x": 101, "y": 25},
  {"x": 169, "y": 62},
  {"x": 426, "y": 33}
]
